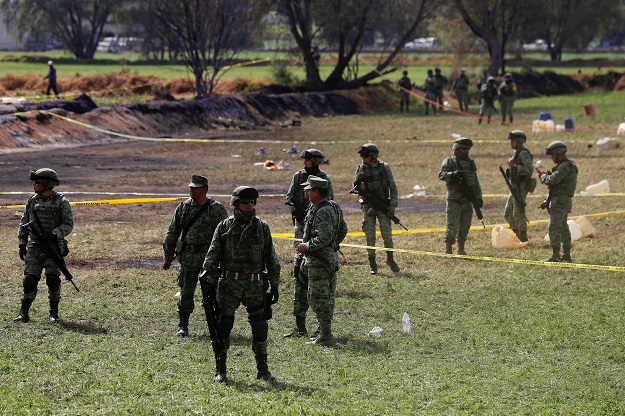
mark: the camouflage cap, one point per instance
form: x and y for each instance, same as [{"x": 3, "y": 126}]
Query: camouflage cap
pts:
[
  {"x": 462, "y": 142},
  {"x": 198, "y": 181},
  {"x": 315, "y": 182},
  {"x": 517, "y": 135},
  {"x": 555, "y": 148}
]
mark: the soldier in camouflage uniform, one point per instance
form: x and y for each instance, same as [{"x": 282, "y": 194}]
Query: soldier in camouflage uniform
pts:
[
  {"x": 197, "y": 233},
  {"x": 488, "y": 93},
  {"x": 296, "y": 199},
  {"x": 324, "y": 230},
  {"x": 459, "y": 210},
  {"x": 404, "y": 91},
  {"x": 520, "y": 169},
  {"x": 507, "y": 95},
  {"x": 430, "y": 93},
  {"x": 561, "y": 181},
  {"x": 241, "y": 262},
  {"x": 52, "y": 212},
  {"x": 441, "y": 82},
  {"x": 374, "y": 178},
  {"x": 461, "y": 88}
]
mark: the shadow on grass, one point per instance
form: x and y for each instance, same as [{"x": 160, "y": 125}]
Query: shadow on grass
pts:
[
  {"x": 87, "y": 328},
  {"x": 263, "y": 386}
]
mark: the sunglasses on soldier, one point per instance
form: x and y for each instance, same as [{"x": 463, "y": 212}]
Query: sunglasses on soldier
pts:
[{"x": 247, "y": 201}]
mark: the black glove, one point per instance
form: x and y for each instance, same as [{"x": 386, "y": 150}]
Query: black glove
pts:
[
  {"x": 47, "y": 236},
  {"x": 455, "y": 174},
  {"x": 480, "y": 202},
  {"x": 22, "y": 251},
  {"x": 275, "y": 295},
  {"x": 390, "y": 211}
]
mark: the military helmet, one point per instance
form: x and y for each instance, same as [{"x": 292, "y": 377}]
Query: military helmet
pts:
[
  {"x": 312, "y": 154},
  {"x": 437, "y": 70},
  {"x": 243, "y": 192},
  {"x": 508, "y": 75},
  {"x": 47, "y": 177},
  {"x": 462, "y": 142},
  {"x": 517, "y": 135},
  {"x": 405, "y": 73},
  {"x": 555, "y": 148},
  {"x": 490, "y": 78},
  {"x": 430, "y": 72},
  {"x": 369, "y": 149}
]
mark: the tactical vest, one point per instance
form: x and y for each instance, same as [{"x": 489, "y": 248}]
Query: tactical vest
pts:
[
  {"x": 246, "y": 256},
  {"x": 48, "y": 210},
  {"x": 568, "y": 185},
  {"x": 375, "y": 181},
  {"x": 310, "y": 221},
  {"x": 300, "y": 197}
]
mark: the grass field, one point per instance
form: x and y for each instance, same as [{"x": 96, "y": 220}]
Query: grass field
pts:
[{"x": 489, "y": 338}]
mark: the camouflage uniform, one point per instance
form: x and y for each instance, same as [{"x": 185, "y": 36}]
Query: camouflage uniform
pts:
[
  {"x": 430, "y": 93},
  {"x": 193, "y": 249},
  {"x": 520, "y": 176},
  {"x": 507, "y": 94},
  {"x": 376, "y": 178},
  {"x": 461, "y": 88},
  {"x": 561, "y": 181},
  {"x": 488, "y": 93},
  {"x": 441, "y": 82},
  {"x": 324, "y": 230},
  {"x": 404, "y": 92},
  {"x": 459, "y": 210},
  {"x": 56, "y": 219},
  {"x": 241, "y": 262}
]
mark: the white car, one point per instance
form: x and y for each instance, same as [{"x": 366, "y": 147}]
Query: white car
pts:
[{"x": 421, "y": 43}]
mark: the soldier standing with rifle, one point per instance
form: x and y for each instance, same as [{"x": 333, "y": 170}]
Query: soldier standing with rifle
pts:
[
  {"x": 519, "y": 173},
  {"x": 374, "y": 182},
  {"x": 188, "y": 237},
  {"x": 324, "y": 230},
  {"x": 241, "y": 263},
  {"x": 296, "y": 199},
  {"x": 488, "y": 93},
  {"x": 52, "y": 214},
  {"x": 561, "y": 181},
  {"x": 463, "y": 194}
]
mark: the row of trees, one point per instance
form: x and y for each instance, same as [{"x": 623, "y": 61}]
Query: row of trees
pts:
[{"x": 208, "y": 34}]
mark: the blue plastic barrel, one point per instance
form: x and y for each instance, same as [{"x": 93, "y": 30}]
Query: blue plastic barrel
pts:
[
  {"x": 568, "y": 124},
  {"x": 544, "y": 116}
]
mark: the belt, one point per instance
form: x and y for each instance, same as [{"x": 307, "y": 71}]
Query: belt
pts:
[
  {"x": 195, "y": 249},
  {"x": 251, "y": 277}
]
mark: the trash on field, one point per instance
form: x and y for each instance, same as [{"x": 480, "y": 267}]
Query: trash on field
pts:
[
  {"x": 602, "y": 187},
  {"x": 418, "y": 191},
  {"x": 576, "y": 232},
  {"x": 290, "y": 150},
  {"x": 608, "y": 143},
  {"x": 506, "y": 238},
  {"x": 588, "y": 231},
  {"x": 376, "y": 331}
]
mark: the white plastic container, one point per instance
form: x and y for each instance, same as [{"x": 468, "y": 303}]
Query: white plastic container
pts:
[
  {"x": 576, "y": 232},
  {"x": 602, "y": 187},
  {"x": 506, "y": 238},
  {"x": 608, "y": 143},
  {"x": 588, "y": 231},
  {"x": 376, "y": 332},
  {"x": 621, "y": 129},
  {"x": 405, "y": 323}
]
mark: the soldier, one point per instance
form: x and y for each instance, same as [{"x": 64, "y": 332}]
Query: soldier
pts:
[
  {"x": 441, "y": 82},
  {"x": 520, "y": 170},
  {"x": 404, "y": 91},
  {"x": 53, "y": 215},
  {"x": 459, "y": 208},
  {"x": 241, "y": 262},
  {"x": 374, "y": 180},
  {"x": 488, "y": 92},
  {"x": 194, "y": 222},
  {"x": 430, "y": 93},
  {"x": 296, "y": 199},
  {"x": 325, "y": 229},
  {"x": 561, "y": 181},
  {"x": 461, "y": 88},
  {"x": 51, "y": 77},
  {"x": 507, "y": 95}
]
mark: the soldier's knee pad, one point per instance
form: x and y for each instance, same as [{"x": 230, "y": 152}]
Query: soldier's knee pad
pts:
[
  {"x": 259, "y": 330},
  {"x": 30, "y": 283},
  {"x": 226, "y": 323},
  {"x": 54, "y": 282}
]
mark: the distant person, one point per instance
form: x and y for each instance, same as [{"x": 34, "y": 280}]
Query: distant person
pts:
[
  {"x": 440, "y": 82},
  {"x": 461, "y": 88},
  {"x": 51, "y": 77},
  {"x": 488, "y": 93},
  {"x": 188, "y": 237},
  {"x": 404, "y": 91},
  {"x": 430, "y": 93},
  {"x": 507, "y": 95}
]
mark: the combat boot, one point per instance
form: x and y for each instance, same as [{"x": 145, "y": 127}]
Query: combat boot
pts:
[
  {"x": 183, "y": 325},
  {"x": 523, "y": 236},
  {"x": 566, "y": 254},
  {"x": 220, "y": 368},
  {"x": 300, "y": 323},
  {"x": 448, "y": 247},
  {"x": 54, "y": 312},
  {"x": 315, "y": 334},
  {"x": 262, "y": 371},
  {"x": 373, "y": 266},
  {"x": 23, "y": 316},
  {"x": 555, "y": 257},
  {"x": 461, "y": 248},
  {"x": 391, "y": 262},
  {"x": 325, "y": 338}
]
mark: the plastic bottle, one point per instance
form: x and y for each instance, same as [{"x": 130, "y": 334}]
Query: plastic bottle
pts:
[{"x": 405, "y": 323}]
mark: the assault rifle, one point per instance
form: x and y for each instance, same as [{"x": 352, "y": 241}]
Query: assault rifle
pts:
[
  {"x": 515, "y": 194},
  {"x": 375, "y": 203},
  {"x": 211, "y": 309},
  {"x": 468, "y": 192},
  {"x": 50, "y": 247}
]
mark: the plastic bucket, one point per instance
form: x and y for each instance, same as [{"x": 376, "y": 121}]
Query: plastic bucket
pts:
[
  {"x": 568, "y": 124},
  {"x": 536, "y": 126},
  {"x": 506, "y": 238},
  {"x": 608, "y": 143},
  {"x": 576, "y": 232},
  {"x": 590, "y": 109},
  {"x": 602, "y": 187},
  {"x": 544, "y": 116},
  {"x": 550, "y": 125},
  {"x": 586, "y": 227},
  {"x": 621, "y": 129}
]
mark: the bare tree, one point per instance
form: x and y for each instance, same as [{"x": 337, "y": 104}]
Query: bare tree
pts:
[
  {"x": 344, "y": 24},
  {"x": 497, "y": 22},
  {"x": 208, "y": 34},
  {"x": 77, "y": 23}
]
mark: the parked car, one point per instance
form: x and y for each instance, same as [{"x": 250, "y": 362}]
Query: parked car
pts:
[
  {"x": 421, "y": 44},
  {"x": 537, "y": 45}
]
